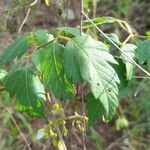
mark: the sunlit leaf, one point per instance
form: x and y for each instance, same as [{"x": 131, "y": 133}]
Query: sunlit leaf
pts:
[{"x": 88, "y": 60}]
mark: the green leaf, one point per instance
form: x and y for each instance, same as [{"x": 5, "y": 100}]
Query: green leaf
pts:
[
  {"x": 50, "y": 61},
  {"x": 40, "y": 37},
  {"x": 3, "y": 73},
  {"x": 121, "y": 72},
  {"x": 143, "y": 52},
  {"x": 16, "y": 49},
  {"x": 129, "y": 50},
  {"x": 87, "y": 60},
  {"x": 114, "y": 38},
  {"x": 69, "y": 31},
  {"x": 28, "y": 90},
  {"x": 98, "y": 21},
  {"x": 19, "y": 47},
  {"x": 97, "y": 108}
]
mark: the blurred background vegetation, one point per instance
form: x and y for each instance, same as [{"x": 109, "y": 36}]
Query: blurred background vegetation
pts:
[{"x": 130, "y": 128}]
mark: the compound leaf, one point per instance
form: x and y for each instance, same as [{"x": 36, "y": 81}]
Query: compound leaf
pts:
[
  {"x": 49, "y": 61},
  {"x": 28, "y": 90}
]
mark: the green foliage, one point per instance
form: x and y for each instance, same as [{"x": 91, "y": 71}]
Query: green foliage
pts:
[
  {"x": 54, "y": 64},
  {"x": 143, "y": 52},
  {"x": 69, "y": 31},
  {"x": 28, "y": 90},
  {"x": 49, "y": 61},
  {"x": 129, "y": 50},
  {"x": 19, "y": 47},
  {"x": 95, "y": 108},
  {"x": 16, "y": 49},
  {"x": 68, "y": 65},
  {"x": 121, "y": 72},
  {"x": 87, "y": 60}
]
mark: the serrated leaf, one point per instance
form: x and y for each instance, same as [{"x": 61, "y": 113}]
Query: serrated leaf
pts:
[
  {"x": 129, "y": 50},
  {"x": 20, "y": 45},
  {"x": 16, "y": 49},
  {"x": 98, "y": 21},
  {"x": 49, "y": 61},
  {"x": 28, "y": 90},
  {"x": 87, "y": 60},
  {"x": 97, "y": 108}
]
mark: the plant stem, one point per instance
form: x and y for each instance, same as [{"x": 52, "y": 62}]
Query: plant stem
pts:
[
  {"x": 127, "y": 39},
  {"x": 27, "y": 15},
  {"x": 64, "y": 38},
  {"x": 81, "y": 18},
  {"x": 82, "y": 97},
  {"x": 18, "y": 128}
]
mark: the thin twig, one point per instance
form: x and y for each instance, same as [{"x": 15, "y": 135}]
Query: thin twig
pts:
[
  {"x": 27, "y": 15},
  {"x": 127, "y": 39},
  {"x": 140, "y": 77},
  {"x": 81, "y": 17},
  {"x": 82, "y": 96},
  {"x": 134, "y": 62},
  {"x": 76, "y": 136},
  {"x": 18, "y": 128},
  {"x": 84, "y": 123},
  {"x": 61, "y": 138},
  {"x": 122, "y": 26},
  {"x": 24, "y": 20}
]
